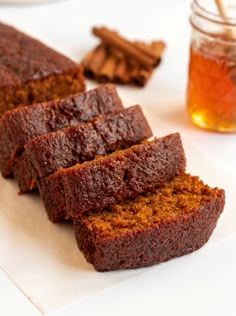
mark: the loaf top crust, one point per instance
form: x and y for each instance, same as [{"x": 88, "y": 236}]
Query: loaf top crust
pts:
[{"x": 24, "y": 59}]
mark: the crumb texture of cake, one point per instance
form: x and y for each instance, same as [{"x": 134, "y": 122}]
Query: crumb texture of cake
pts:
[
  {"x": 31, "y": 72},
  {"x": 175, "y": 219},
  {"x": 122, "y": 174},
  {"x": 19, "y": 126},
  {"x": 75, "y": 145},
  {"x": 47, "y": 153}
]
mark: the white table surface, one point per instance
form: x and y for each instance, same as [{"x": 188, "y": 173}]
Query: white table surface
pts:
[{"x": 65, "y": 25}]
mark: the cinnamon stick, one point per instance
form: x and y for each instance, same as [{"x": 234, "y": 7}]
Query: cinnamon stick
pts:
[
  {"x": 156, "y": 47},
  {"x": 116, "y": 52},
  {"x": 106, "y": 72},
  {"x": 94, "y": 61},
  {"x": 141, "y": 75},
  {"x": 113, "y": 39},
  {"x": 122, "y": 74},
  {"x": 110, "y": 62}
]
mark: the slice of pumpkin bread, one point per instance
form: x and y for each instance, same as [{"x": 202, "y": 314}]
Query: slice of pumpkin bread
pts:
[
  {"x": 106, "y": 180},
  {"x": 175, "y": 219}
]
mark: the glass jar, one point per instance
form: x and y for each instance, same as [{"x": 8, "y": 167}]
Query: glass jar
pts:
[{"x": 211, "y": 91}]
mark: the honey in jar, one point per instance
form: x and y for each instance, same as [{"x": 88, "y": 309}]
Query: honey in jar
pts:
[{"x": 211, "y": 91}]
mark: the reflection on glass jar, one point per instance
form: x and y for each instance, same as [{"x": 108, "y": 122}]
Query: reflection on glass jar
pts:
[{"x": 211, "y": 92}]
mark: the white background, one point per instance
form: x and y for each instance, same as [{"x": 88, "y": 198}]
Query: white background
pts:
[{"x": 200, "y": 284}]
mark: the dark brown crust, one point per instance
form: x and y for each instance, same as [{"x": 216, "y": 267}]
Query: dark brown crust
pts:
[
  {"x": 47, "y": 153},
  {"x": 19, "y": 126},
  {"x": 107, "y": 180},
  {"x": 32, "y": 72},
  {"x": 172, "y": 237}
]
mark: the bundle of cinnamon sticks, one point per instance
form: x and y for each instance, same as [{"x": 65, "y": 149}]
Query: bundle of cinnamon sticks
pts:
[{"x": 118, "y": 60}]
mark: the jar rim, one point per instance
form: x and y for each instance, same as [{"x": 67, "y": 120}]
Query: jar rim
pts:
[{"x": 211, "y": 16}]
